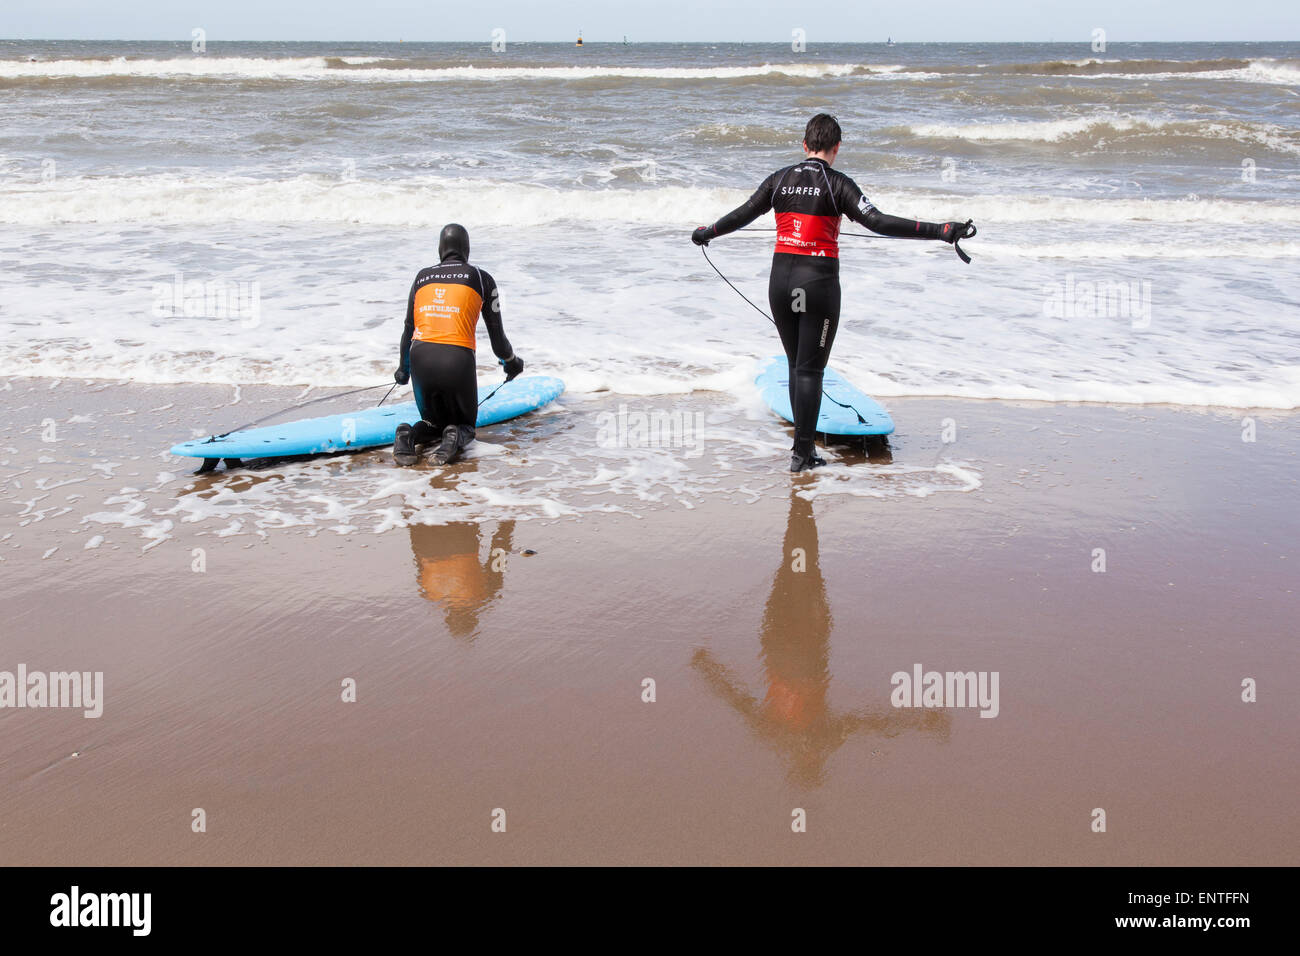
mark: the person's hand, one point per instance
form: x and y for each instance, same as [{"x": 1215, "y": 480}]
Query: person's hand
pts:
[
  {"x": 513, "y": 366},
  {"x": 402, "y": 375},
  {"x": 702, "y": 235},
  {"x": 953, "y": 231}
]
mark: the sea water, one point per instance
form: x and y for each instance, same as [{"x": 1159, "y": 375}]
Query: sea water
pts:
[{"x": 255, "y": 214}]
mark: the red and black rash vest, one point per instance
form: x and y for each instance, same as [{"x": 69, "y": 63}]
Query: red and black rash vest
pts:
[{"x": 809, "y": 198}]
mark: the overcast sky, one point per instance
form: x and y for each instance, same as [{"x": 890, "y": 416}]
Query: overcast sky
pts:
[{"x": 682, "y": 20}]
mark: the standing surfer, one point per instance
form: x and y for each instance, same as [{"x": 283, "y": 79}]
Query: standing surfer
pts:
[
  {"x": 804, "y": 289},
  {"x": 438, "y": 349}
]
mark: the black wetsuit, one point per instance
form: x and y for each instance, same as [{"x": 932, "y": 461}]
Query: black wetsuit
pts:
[
  {"x": 804, "y": 289},
  {"x": 438, "y": 345}
]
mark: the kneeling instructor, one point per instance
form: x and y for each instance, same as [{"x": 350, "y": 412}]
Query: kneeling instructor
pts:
[{"x": 438, "y": 350}]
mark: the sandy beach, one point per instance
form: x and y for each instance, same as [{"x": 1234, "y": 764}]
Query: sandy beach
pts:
[{"x": 499, "y": 663}]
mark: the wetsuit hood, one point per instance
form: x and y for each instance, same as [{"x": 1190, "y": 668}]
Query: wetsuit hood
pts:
[{"x": 453, "y": 243}]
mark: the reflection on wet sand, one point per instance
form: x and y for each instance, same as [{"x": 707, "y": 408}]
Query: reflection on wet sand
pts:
[
  {"x": 262, "y": 471},
  {"x": 794, "y": 715},
  {"x": 251, "y": 472},
  {"x": 450, "y": 570}
]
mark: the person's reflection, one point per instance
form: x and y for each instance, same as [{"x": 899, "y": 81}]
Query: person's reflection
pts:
[
  {"x": 451, "y": 572},
  {"x": 794, "y": 715}
]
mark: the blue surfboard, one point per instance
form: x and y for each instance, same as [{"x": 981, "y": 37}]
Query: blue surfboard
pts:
[
  {"x": 832, "y": 419},
  {"x": 367, "y": 427}
]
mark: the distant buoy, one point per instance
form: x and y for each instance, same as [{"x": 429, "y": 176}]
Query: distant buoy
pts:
[{"x": 579, "y": 43}]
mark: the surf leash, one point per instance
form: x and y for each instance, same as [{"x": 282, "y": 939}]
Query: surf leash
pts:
[
  {"x": 968, "y": 233},
  {"x": 291, "y": 408},
  {"x": 323, "y": 398},
  {"x": 733, "y": 288},
  {"x": 491, "y": 393},
  {"x": 861, "y": 420}
]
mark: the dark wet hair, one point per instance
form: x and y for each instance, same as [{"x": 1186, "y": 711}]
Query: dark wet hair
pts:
[{"x": 822, "y": 133}]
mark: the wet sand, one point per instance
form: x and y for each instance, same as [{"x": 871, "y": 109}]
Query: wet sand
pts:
[{"x": 491, "y": 678}]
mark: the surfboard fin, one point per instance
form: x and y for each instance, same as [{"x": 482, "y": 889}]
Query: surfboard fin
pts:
[{"x": 210, "y": 464}]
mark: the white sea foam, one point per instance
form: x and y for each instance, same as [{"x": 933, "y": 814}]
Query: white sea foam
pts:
[
  {"x": 1103, "y": 126},
  {"x": 427, "y": 200},
  {"x": 581, "y": 205},
  {"x": 571, "y": 475},
  {"x": 1117, "y": 249},
  {"x": 649, "y": 318},
  {"x": 1267, "y": 72},
  {"x": 317, "y": 68},
  {"x": 1046, "y": 131},
  {"x": 357, "y": 69}
]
